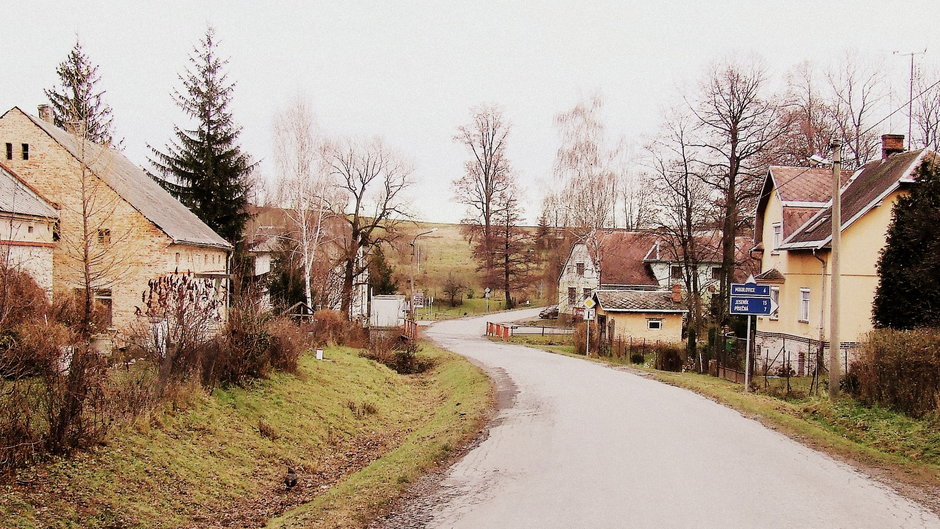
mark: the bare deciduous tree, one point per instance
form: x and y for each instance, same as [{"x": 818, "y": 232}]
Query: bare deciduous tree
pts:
[
  {"x": 486, "y": 174},
  {"x": 857, "y": 90},
  {"x": 304, "y": 190},
  {"x": 738, "y": 125},
  {"x": 686, "y": 208},
  {"x": 584, "y": 165},
  {"x": 809, "y": 117},
  {"x": 371, "y": 179},
  {"x": 926, "y": 111}
]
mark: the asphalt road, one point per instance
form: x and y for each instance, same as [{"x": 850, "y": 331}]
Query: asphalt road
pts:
[{"x": 581, "y": 445}]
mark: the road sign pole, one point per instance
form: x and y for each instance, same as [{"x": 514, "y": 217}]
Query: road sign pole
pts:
[
  {"x": 747, "y": 357},
  {"x": 587, "y": 338}
]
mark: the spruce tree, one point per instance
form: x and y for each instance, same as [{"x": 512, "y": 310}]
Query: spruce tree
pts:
[
  {"x": 204, "y": 168},
  {"x": 77, "y": 99},
  {"x": 908, "y": 293}
]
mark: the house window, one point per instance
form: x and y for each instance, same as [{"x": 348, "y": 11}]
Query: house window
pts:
[
  {"x": 654, "y": 324},
  {"x": 177, "y": 258},
  {"x": 572, "y": 295},
  {"x": 104, "y": 236},
  {"x": 56, "y": 231},
  {"x": 103, "y": 304},
  {"x": 775, "y": 300},
  {"x": 716, "y": 273},
  {"x": 580, "y": 267},
  {"x": 29, "y": 229},
  {"x": 778, "y": 236},
  {"x": 804, "y": 305},
  {"x": 26, "y": 151},
  {"x": 675, "y": 271},
  {"x": 587, "y": 293},
  {"x": 9, "y": 151}
]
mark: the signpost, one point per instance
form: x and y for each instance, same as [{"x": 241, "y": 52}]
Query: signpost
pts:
[
  {"x": 750, "y": 299},
  {"x": 588, "y": 316}
]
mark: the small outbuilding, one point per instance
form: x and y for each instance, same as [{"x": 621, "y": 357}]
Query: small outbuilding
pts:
[{"x": 653, "y": 315}]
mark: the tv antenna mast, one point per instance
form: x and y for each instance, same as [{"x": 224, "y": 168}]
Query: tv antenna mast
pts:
[{"x": 910, "y": 100}]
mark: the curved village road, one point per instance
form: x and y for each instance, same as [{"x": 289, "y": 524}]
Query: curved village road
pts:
[{"x": 582, "y": 445}]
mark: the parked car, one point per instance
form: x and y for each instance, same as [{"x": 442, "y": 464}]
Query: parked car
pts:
[{"x": 549, "y": 313}]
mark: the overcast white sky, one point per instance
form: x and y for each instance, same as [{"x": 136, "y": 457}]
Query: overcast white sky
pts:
[{"x": 410, "y": 71}]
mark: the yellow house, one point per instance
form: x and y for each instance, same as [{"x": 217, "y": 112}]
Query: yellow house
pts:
[
  {"x": 129, "y": 227},
  {"x": 793, "y": 233},
  {"x": 651, "y": 315}
]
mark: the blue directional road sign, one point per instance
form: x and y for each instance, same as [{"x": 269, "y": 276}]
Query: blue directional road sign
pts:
[
  {"x": 750, "y": 305},
  {"x": 750, "y": 289},
  {"x": 751, "y": 298}
]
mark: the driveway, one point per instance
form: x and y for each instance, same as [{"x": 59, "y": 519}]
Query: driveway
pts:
[{"x": 582, "y": 445}]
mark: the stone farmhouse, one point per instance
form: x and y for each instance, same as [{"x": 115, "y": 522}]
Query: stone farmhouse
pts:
[
  {"x": 27, "y": 222},
  {"x": 793, "y": 234},
  {"x": 136, "y": 231},
  {"x": 638, "y": 260}
]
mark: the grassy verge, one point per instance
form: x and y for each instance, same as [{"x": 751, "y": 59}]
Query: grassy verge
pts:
[
  {"x": 219, "y": 459},
  {"x": 460, "y": 405},
  {"x": 907, "y": 450}
]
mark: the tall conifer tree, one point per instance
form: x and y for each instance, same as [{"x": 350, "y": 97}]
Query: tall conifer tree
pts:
[
  {"x": 77, "y": 99},
  {"x": 908, "y": 293},
  {"x": 204, "y": 167}
]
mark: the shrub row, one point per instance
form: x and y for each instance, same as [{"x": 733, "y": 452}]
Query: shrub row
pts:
[{"x": 899, "y": 369}]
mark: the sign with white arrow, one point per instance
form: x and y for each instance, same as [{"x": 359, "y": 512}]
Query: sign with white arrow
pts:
[{"x": 749, "y": 298}]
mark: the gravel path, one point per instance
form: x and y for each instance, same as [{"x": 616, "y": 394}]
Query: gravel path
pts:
[{"x": 579, "y": 445}]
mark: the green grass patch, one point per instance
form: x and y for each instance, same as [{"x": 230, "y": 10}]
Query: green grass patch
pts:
[
  {"x": 459, "y": 401},
  {"x": 216, "y": 454}
]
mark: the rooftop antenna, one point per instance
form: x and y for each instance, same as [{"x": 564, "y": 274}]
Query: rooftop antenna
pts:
[{"x": 910, "y": 100}]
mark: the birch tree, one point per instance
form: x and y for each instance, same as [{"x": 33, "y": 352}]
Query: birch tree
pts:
[{"x": 305, "y": 190}]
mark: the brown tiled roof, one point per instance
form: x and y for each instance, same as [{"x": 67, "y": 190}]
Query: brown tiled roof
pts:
[
  {"x": 805, "y": 184},
  {"x": 794, "y": 217},
  {"x": 620, "y": 258},
  {"x": 874, "y": 181},
  {"x": 637, "y": 301}
]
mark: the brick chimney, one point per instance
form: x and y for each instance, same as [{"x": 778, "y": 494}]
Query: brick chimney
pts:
[
  {"x": 676, "y": 293},
  {"x": 891, "y": 144},
  {"x": 45, "y": 113}
]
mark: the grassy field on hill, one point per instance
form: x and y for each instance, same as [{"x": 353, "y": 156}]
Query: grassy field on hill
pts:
[
  {"x": 439, "y": 254},
  {"x": 219, "y": 459}
]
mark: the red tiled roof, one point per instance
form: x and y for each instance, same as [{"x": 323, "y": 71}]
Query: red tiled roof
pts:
[
  {"x": 805, "y": 184},
  {"x": 872, "y": 181},
  {"x": 794, "y": 217},
  {"x": 620, "y": 258}
]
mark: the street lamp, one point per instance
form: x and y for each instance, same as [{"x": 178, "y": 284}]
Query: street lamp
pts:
[{"x": 411, "y": 304}]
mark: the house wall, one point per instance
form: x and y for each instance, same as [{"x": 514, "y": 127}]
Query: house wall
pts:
[
  {"x": 138, "y": 251},
  {"x": 861, "y": 244},
  {"x": 570, "y": 278},
  {"x": 634, "y": 324},
  {"x": 28, "y": 251},
  {"x": 662, "y": 270}
]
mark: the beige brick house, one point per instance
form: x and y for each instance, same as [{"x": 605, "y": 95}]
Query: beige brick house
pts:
[
  {"x": 131, "y": 229},
  {"x": 27, "y": 221}
]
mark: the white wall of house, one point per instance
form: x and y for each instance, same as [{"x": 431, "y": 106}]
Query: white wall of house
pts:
[{"x": 579, "y": 274}]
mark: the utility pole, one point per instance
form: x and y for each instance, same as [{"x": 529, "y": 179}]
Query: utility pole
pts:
[
  {"x": 411, "y": 304},
  {"x": 910, "y": 100},
  {"x": 834, "y": 343}
]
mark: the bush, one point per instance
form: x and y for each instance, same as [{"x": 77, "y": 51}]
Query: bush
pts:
[
  {"x": 669, "y": 357},
  {"x": 401, "y": 357},
  {"x": 288, "y": 342},
  {"x": 579, "y": 335},
  {"x": 330, "y": 327},
  {"x": 637, "y": 358},
  {"x": 900, "y": 370},
  {"x": 21, "y": 299}
]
